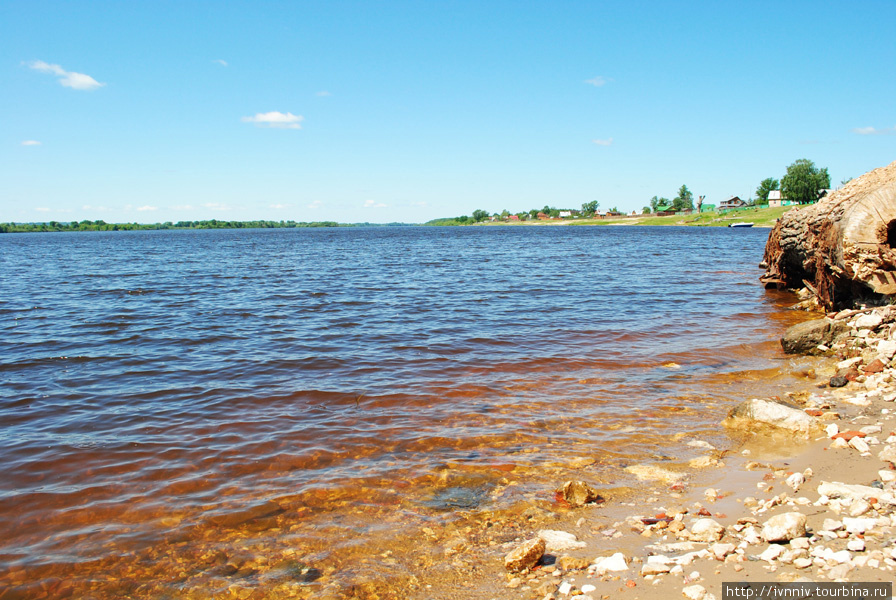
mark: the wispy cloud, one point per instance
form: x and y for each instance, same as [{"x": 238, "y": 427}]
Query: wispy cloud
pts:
[
  {"x": 42, "y": 209},
  {"x": 606, "y": 142},
  {"x": 221, "y": 62},
  {"x": 875, "y": 131},
  {"x": 216, "y": 206},
  {"x": 316, "y": 204},
  {"x": 76, "y": 81},
  {"x": 323, "y": 94},
  {"x": 146, "y": 208},
  {"x": 373, "y": 204},
  {"x": 598, "y": 81},
  {"x": 279, "y": 206},
  {"x": 276, "y": 120},
  {"x": 31, "y": 143}
]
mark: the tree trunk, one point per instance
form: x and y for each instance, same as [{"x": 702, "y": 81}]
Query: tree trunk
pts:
[{"x": 843, "y": 247}]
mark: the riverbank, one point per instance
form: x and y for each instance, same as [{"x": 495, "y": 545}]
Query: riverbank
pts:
[
  {"x": 688, "y": 532},
  {"x": 760, "y": 217}
]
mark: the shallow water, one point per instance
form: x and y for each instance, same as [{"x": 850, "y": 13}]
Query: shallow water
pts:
[{"x": 176, "y": 404}]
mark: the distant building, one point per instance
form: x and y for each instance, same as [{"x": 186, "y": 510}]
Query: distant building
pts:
[
  {"x": 541, "y": 216},
  {"x": 513, "y": 218},
  {"x": 707, "y": 208},
  {"x": 663, "y": 210},
  {"x": 565, "y": 213},
  {"x": 732, "y": 203}
]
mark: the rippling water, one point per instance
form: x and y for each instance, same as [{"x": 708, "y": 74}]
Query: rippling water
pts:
[{"x": 168, "y": 395}]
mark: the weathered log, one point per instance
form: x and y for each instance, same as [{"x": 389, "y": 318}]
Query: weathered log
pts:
[{"x": 844, "y": 246}]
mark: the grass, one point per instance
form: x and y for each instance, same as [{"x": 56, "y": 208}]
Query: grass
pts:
[{"x": 760, "y": 217}]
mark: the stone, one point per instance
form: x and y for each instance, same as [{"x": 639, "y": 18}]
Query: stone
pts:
[
  {"x": 835, "y": 489},
  {"x": 887, "y": 348},
  {"x": 579, "y": 493},
  {"x": 856, "y": 545},
  {"x": 875, "y": 366},
  {"x": 772, "y": 552},
  {"x": 524, "y": 556},
  {"x": 802, "y": 563},
  {"x": 832, "y": 429},
  {"x": 784, "y": 527},
  {"x": 587, "y": 588},
  {"x": 654, "y": 473},
  {"x": 859, "y": 507},
  {"x": 749, "y": 413},
  {"x": 838, "y": 381},
  {"x": 694, "y": 592},
  {"x": 706, "y": 530},
  {"x": 859, "y": 444},
  {"x": 614, "y": 563},
  {"x": 655, "y": 568},
  {"x": 794, "y": 481},
  {"x": 806, "y": 337},
  {"x": 869, "y": 321},
  {"x": 571, "y": 563},
  {"x": 720, "y": 550},
  {"x": 832, "y": 525},
  {"x": 888, "y": 454},
  {"x": 858, "y": 524},
  {"x": 557, "y": 541}
]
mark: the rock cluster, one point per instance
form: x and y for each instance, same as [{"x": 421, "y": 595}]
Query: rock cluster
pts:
[{"x": 799, "y": 524}]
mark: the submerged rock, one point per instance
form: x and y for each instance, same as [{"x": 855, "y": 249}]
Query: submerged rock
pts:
[
  {"x": 775, "y": 414},
  {"x": 579, "y": 493},
  {"x": 807, "y": 337}
]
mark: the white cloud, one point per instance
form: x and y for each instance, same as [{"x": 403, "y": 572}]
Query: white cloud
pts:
[
  {"x": 373, "y": 204},
  {"x": 277, "y": 120},
  {"x": 42, "y": 209},
  {"x": 76, "y": 81},
  {"x": 316, "y": 204},
  {"x": 221, "y": 62},
  {"x": 31, "y": 143},
  {"x": 279, "y": 206},
  {"x": 874, "y": 131},
  {"x": 606, "y": 142},
  {"x": 324, "y": 94},
  {"x": 145, "y": 208},
  {"x": 598, "y": 81},
  {"x": 216, "y": 206}
]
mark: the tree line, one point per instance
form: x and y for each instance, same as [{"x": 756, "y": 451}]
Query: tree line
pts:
[
  {"x": 802, "y": 183},
  {"x": 100, "y": 225}
]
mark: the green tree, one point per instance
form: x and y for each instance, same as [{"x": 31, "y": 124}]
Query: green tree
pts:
[
  {"x": 684, "y": 200},
  {"x": 646, "y": 210},
  {"x": 654, "y": 202},
  {"x": 765, "y": 186},
  {"x": 803, "y": 181},
  {"x": 480, "y": 215},
  {"x": 589, "y": 208}
]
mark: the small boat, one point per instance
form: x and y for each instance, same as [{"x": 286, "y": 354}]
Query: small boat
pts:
[{"x": 740, "y": 224}]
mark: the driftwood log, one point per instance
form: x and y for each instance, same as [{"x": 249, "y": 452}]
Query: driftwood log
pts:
[{"x": 843, "y": 248}]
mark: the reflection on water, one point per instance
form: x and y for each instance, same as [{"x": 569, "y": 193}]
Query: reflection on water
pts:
[{"x": 286, "y": 411}]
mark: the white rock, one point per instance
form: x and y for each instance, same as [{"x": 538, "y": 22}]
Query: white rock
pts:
[
  {"x": 655, "y": 568},
  {"x": 856, "y": 545},
  {"x": 720, "y": 550},
  {"x": 886, "y": 475},
  {"x": 858, "y": 508},
  {"x": 842, "y": 490},
  {"x": 839, "y": 572},
  {"x": 859, "y": 444},
  {"x": 772, "y": 413},
  {"x": 887, "y": 348},
  {"x": 800, "y": 543},
  {"x": 565, "y": 588},
  {"x": 706, "y": 530},
  {"x": 587, "y": 588},
  {"x": 802, "y": 563},
  {"x": 831, "y": 429},
  {"x": 557, "y": 541},
  {"x": 859, "y": 524},
  {"x": 771, "y": 553},
  {"x": 832, "y": 525},
  {"x": 888, "y": 454},
  {"x": 610, "y": 563},
  {"x": 694, "y": 592},
  {"x": 869, "y": 321},
  {"x": 784, "y": 527},
  {"x": 839, "y": 444},
  {"x": 871, "y": 429},
  {"x": 707, "y": 445},
  {"x": 795, "y": 481},
  {"x": 845, "y": 364}
]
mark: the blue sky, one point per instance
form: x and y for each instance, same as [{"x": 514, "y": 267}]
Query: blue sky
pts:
[{"x": 408, "y": 111}]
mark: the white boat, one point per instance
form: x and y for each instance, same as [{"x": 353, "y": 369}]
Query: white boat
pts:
[{"x": 740, "y": 224}]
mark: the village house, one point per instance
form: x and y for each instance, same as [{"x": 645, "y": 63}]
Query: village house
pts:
[{"x": 732, "y": 203}]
